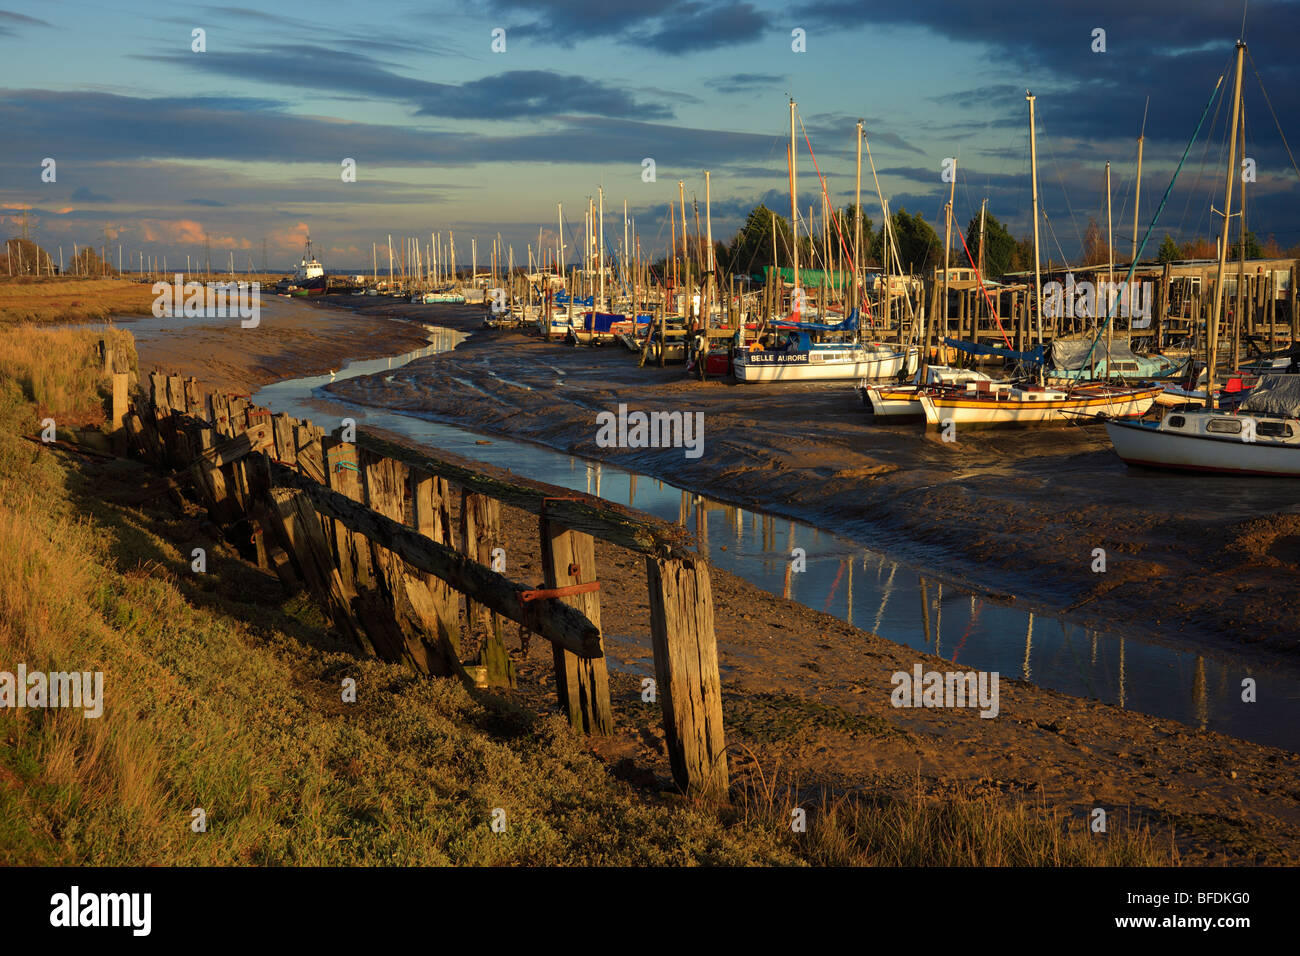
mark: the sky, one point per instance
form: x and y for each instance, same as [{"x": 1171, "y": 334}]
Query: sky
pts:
[{"x": 242, "y": 143}]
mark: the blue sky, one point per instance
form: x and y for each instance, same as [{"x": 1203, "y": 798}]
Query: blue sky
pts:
[{"x": 243, "y": 143}]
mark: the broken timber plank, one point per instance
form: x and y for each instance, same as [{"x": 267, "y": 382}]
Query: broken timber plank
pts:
[{"x": 549, "y": 618}]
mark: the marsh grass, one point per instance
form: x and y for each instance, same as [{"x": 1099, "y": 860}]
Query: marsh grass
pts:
[{"x": 44, "y": 300}]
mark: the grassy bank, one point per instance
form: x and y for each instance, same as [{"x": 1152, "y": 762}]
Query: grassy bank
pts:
[
  {"x": 70, "y": 299},
  {"x": 221, "y": 694}
]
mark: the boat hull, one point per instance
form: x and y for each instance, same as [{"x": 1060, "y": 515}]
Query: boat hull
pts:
[
  {"x": 892, "y": 403},
  {"x": 1149, "y": 447},
  {"x": 965, "y": 410},
  {"x": 751, "y": 367}
]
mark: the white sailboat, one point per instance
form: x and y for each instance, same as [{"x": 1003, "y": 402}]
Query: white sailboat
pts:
[{"x": 1242, "y": 443}]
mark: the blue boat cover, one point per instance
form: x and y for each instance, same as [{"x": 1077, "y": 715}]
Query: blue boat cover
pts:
[{"x": 1034, "y": 357}]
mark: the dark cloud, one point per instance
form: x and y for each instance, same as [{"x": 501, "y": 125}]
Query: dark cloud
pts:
[
  {"x": 100, "y": 127},
  {"x": 205, "y": 202},
  {"x": 744, "y": 82},
  {"x": 10, "y": 23},
  {"x": 670, "y": 27},
  {"x": 82, "y": 194},
  {"x": 509, "y": 95}
]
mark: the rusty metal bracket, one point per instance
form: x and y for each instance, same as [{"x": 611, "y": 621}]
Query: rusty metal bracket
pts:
[{"x": 542, "y": 593}]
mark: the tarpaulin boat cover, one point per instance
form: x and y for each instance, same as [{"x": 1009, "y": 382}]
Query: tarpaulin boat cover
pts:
[
  {"x": 563, "y": 297},
  {"x": 1275, "y": 395},
  {"x": 1072, "y": 354},
  {"x": 849, "y": 324},
  {"x": 1034, "y": 357}
]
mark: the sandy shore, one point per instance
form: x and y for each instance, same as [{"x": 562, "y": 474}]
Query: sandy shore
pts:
[{"x": 807, "y": 696}]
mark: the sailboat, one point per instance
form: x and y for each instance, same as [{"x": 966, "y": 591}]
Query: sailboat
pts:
[
  {"x": 799, "y": 358},
  {"x": 1262, "y": 437},
  {"x": 1007, "y": 403}
]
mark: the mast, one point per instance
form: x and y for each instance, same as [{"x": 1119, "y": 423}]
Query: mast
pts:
[
  {"x": 559, "y": 213},
  {"x": 794, "y": 203},
  {"x": 708, "y": 236},
  {"x": 672, "y": 225},
  {"x": 1033, "y": 166},
  {"x": 1240, "y": 317},
  {"x": 1110, "y": 276},
  {"x": 1137, "y": 195},
  {"x": 686, "y": 257},
  {"x": 886, "y": 297},
  {"x": 1212, "y": 337},
  {"x": 600, "y": 248},
  {"x": 947, "y": 248},
  {"x": 857, "y": 231},
  {"x": 979, "y": 305}
]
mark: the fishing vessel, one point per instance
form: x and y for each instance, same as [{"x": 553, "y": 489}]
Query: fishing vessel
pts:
[
  {"x": 309, "y": 278},
  {"x": 1261, "y": 438}
]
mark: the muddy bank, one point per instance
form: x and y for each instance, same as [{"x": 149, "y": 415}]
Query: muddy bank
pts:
[
  {"x": 295, "y": 337},
  {"x": 1196, "y": 561}
]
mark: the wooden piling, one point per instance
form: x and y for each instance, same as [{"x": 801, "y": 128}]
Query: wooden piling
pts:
[
  {"x": 686, "y": 670},
  {"x": 582, "y": 684}
]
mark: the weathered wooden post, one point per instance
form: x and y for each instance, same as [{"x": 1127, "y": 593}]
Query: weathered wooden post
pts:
[
  {"x": 291, "y": 514},
  {"x": 686, "y": 672},
  {"x": 569, "y": 560},
  {"x": 413, "y": 605},
  {"x": 432, "y": 498}
]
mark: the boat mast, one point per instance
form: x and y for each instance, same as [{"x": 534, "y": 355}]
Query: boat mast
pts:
[
  {"x": 1137, "y": 194},
  {"x": 857, "y": 232},
  {"x": 1110, "y": 275},
  {"x": 600, "y": 253},
  {"x": 559, "y": 215},
  {"x": 708, "y": 236},
  {"x": 1033, "y": 167},
  {"x": 947, "y": 248},
  {"x": 794, "y": 206},
  {"x": 979, "y": 305},
  {"x": 686, "y": 255},
  {"x": 1239, "y": 316},
  {"x": 1212, "y": 337}
]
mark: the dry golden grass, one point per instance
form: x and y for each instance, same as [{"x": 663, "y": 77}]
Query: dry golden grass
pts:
[
  {"x": 60, "y": 371},
  {"x": 70, "y": 299}
]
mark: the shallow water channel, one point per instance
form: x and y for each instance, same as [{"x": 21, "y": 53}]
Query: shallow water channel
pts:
[{"x": 897, "y": 601}]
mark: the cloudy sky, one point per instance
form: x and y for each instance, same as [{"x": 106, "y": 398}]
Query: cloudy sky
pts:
[{"x": 243, "y": 143}]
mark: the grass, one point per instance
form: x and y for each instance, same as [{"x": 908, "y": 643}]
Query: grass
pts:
[
  {"x": 58, "y": 299},
  {"x": 60, "y": 372},
  {"x": 223, "y": 694}
]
